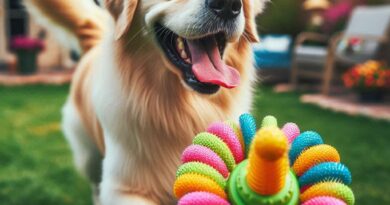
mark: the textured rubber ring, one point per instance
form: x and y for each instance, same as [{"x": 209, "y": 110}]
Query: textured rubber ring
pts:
[
  {"x": 202, "y": 169},
  {"x": 313, "y": 156},
  {"x": 237, "y": 131},
  {"x": 198, "y": 153},
  {"x": 324, "y": 200},
  {"x": 327, "y": 171},
  {"x": 218, "y": 146},
  {"x": 202, "y": 198},
  {"x": 226, "y": 134},
  {"x": 332, "y": 189},
  {"x": 248, "y": 129},
  {"x": 302, "y": 142},
  {"x": 188, "y": 183}
]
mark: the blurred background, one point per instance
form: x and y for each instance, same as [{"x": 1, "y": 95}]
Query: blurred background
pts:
[
  {"x": 326, "y": 61},
  {"x": 16, "y": 25}
]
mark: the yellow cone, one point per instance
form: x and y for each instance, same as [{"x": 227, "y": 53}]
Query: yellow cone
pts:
[{"x": 268, "y": 161}]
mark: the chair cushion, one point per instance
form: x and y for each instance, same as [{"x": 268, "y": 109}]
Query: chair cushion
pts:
[
  {"x": 311, "y": 54},
  {"x": 353, "y": 58},
  {"x": 356, "y": 50},
  {"x": 274, "y": 43},
  {"x": 274, "y": 51}
]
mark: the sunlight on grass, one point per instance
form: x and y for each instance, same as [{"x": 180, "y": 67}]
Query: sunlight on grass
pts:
[{"x": 46, "y": 129}]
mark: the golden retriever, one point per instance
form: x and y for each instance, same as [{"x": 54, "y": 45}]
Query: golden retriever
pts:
[{"x": 153, "y": 74}]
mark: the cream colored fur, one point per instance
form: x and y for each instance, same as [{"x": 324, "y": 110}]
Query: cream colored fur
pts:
[
  {"x": 76, "y": 23},
  {"x": 128, "y": 110}
]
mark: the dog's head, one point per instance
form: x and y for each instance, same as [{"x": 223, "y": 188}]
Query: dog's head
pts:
[{"x": 192, "y": 35}]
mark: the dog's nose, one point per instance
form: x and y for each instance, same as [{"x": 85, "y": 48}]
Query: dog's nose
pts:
[{"x": 226, "y": 9}]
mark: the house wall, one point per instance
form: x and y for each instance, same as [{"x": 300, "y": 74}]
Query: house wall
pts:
[
  {"x": 52, "y": 57},
  {"x": 3, "y": 43}
]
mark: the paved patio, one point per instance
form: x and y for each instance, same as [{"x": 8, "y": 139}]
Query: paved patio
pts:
[
  {"x": 47, "y": 78},
  {"x": 342, "y": 101},
  {"x": 350, "y": 105}
]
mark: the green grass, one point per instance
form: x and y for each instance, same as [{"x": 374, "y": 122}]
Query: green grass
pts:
[
  {"x": 35, "y": 162},
  {"x": 36, "y": 165}
]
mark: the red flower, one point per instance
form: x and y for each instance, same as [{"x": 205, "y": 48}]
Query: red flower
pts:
[
  {"x": 369, "y": 81},
  {"x": 369, "y": 75},
  {"x": 355, "y": 41}
]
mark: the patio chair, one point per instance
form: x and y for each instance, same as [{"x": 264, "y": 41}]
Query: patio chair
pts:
[{"x": 370, "y": 24}]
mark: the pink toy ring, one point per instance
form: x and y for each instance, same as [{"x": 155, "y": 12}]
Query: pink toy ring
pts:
[
  {"x": 205, "y": 155},
  {"x": 324, "y": 200},
  {"x": 202, "y": 198},
  {"x": 291, "y": 130},
  {"x": 226, "y": 134}
]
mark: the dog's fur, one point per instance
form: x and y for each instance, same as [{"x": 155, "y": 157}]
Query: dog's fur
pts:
[{"x": 128, "y": 103}]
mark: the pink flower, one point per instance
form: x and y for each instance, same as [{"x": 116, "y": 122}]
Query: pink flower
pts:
[
  {"x": 338, "y": 12},
  {"x": 336, "y": 16},
  {"x": 26, "y": 43}
]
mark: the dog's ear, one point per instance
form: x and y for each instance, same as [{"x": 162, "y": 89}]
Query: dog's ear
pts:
[
  {"x": 259, "y": 6},
  {"x": 250, "y": 24},
  {"x": 123, "y": 12}
]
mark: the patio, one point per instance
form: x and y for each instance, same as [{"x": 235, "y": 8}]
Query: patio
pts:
[
  {"x": 350, "y": 105},
  {"x": 342, "y": 101},
  {"x": 46, "y": 78}
]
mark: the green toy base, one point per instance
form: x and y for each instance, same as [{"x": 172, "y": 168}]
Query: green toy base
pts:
[{"x": 237, "y": 187}]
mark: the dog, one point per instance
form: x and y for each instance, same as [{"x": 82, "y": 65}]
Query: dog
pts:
[{"x": 153, "y": 74}]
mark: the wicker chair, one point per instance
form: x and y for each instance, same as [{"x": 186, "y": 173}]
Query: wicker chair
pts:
[{"x": 370, "y": 24}]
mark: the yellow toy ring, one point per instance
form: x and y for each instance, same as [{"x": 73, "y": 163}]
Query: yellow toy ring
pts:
[
  {"x": 332, "y": 189},
  {"x": 313, "y": 156},
  {"x": 192, "y": 182}
]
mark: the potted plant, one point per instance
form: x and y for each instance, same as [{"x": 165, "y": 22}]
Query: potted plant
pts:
[
  {"x": 370, "y": 79},
  {"x": 26, "y": 50}
]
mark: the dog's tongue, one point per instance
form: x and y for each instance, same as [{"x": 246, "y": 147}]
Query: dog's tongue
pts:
[{"x": 208, "y": 66}]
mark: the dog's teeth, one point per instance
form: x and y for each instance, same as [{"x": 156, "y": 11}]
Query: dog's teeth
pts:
[
  {"x": 181, "y": 49},
  {"x": 180, "y": 43},
  {"x": 183, "y": 54},
  {"x": 180, "y": 46}
]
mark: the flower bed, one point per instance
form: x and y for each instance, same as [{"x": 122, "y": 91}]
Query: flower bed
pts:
[{"x": 370, "y": 79}]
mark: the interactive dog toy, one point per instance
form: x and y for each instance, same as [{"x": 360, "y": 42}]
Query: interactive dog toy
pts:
[{"x": 215, "y": 171}]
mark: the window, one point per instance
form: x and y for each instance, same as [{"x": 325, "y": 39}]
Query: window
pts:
[{"x": 16, "y": 20}]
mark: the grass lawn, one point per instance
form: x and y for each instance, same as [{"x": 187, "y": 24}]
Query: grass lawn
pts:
[{"x": 36, "y": 166}]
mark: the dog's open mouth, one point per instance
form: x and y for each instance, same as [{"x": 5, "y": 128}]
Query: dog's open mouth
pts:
[{"x": 200, "y": 60}]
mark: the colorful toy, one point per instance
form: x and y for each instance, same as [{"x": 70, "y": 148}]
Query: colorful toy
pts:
[{"x": 234, "y": 164}]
